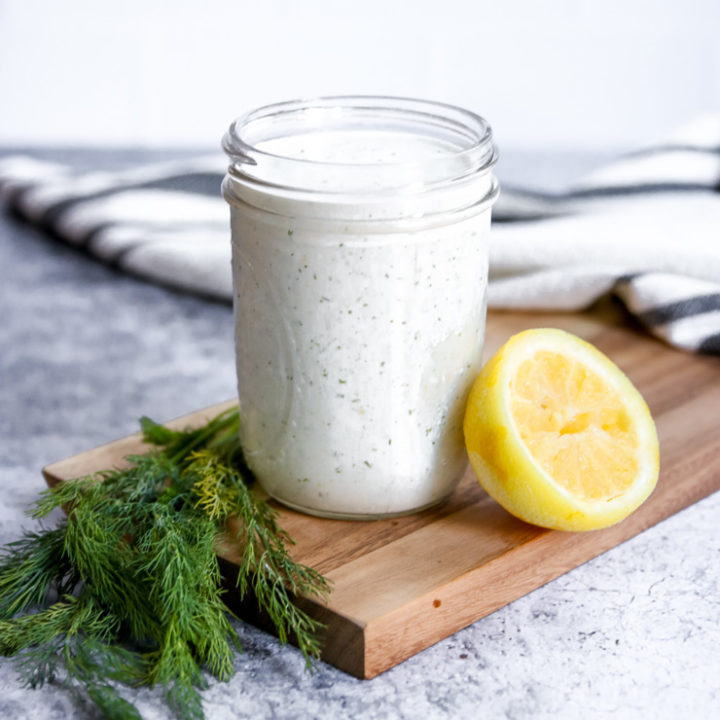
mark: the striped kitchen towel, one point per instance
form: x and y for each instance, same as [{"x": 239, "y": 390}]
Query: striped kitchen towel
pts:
[{"x": 645, "y": 227}]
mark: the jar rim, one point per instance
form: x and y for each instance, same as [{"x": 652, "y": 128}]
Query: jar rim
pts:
[{"x": 470, "y": 148}]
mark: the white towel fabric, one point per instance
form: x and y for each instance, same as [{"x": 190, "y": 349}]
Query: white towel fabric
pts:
[{"x": 645, "y": 227}]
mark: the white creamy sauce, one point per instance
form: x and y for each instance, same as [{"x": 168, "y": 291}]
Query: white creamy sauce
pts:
[
  {"x": 357, "y": 342},
  {"x": 358, "y": 147}
]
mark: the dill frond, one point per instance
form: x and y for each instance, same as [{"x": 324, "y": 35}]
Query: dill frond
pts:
[
  {"x": 266, "y": 566},
  {"x": 113, "y": 706},
  {"x": 137, "y": 577},
  {"x": 29, "y": 568}
]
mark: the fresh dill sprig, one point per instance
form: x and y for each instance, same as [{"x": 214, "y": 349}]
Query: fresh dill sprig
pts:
[{"x": 128, "y": 588}]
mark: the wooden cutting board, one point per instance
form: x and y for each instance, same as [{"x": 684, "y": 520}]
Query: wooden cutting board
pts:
[{"x": 401, "y": 585}]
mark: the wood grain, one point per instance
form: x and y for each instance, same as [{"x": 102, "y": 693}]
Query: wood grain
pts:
[{"x": 402, "y": 584}]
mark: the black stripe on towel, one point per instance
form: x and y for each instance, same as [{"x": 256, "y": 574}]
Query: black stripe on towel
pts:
[
  {"x": 531, "y": 205},
  {"x": 710, "y": 344},
  {"x": 628, "y": 277},
  {"x": 13, "y": 195},
  {"x": 198, "y": 183},
  {"x": 681, "y": 309},
  {"x": 638, "y": 189},
  {"x": 642, "y": 189},
  {"x": 118, "y": 259}
]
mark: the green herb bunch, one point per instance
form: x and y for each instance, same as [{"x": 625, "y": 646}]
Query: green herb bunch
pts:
[{"x": 128, "y": 588}]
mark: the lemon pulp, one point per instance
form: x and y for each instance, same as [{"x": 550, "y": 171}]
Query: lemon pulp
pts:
[{"x": 575, "y": 426}]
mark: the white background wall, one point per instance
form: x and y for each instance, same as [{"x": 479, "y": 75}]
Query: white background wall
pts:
[{"x": 554, "y": 73}]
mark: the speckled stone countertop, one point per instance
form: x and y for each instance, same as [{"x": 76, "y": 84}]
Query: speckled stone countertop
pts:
[{"x": 85, "y": 351}]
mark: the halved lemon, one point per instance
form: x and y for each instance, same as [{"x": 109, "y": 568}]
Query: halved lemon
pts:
[{"x": 558, "y": 435}]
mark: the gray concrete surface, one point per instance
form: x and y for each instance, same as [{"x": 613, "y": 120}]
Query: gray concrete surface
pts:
[{"x": 84, "y": 351}]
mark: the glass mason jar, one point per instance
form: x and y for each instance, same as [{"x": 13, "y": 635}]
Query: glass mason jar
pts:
[{"x": 359, "y": 256}]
